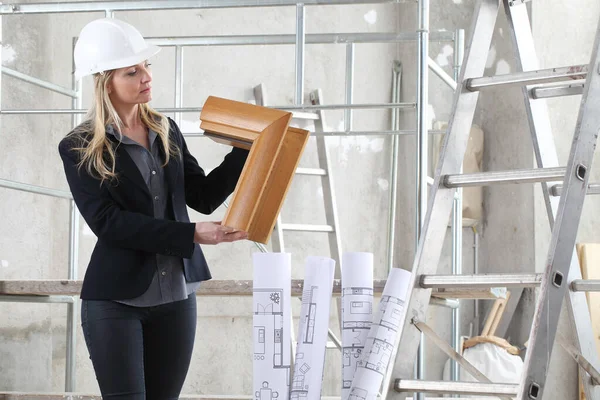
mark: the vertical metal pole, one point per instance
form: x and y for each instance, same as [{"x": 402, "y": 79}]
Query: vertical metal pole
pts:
[
  {"x": 300, "y": 48},
  {"x": 71, "y": 307},
  {"x": 178, "y": 81},
  {"x": 456, "y": 270},
  {"x": 457, "y": 216},
  {"x": 396, "y": 96},
  {"x": 422, "y": 147},
  {"x": 70, "y": 363},
  {"x": 476, "y": 271},
  {"x": 349, "y": 85},
  {"x": 298, "y": 100}
]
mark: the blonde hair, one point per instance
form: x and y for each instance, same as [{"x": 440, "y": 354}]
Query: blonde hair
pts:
[{"x": 97, "y": 153}]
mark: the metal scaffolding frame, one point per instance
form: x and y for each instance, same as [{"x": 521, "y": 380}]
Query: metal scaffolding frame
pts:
[{"x": 300, "y": 39}]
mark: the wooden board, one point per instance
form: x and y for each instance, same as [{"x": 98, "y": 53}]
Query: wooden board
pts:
[
  {"x": 589, "y": 261},
  {"x": 208, "y": 288},
  {"x": 275, "y": 151},
  {"x": 77, "y": 396}
]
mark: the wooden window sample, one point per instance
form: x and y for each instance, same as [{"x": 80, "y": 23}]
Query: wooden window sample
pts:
[{"x": 275, "y": 151}]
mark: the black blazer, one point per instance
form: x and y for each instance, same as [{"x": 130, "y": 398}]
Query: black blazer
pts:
[{"x": 120, "y": 213}]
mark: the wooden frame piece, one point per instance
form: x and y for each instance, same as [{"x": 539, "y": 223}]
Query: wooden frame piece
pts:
[
  {"x": 213, "y": 287},
  {"x": 275, "y": 151}
]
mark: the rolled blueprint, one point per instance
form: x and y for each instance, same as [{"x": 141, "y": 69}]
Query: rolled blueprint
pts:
[
  {"x": 382, "y": 337},
  {"x": 312, "y": 329},
  {"x": 271, "y": 325},
  {"x": 357, "y": 312}
]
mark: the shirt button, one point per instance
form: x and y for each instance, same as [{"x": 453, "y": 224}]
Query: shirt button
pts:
[
  {"x": 153, "y": 172},
  {"x": 163, "y": 273},
  {"x": 156, "y": 198}
]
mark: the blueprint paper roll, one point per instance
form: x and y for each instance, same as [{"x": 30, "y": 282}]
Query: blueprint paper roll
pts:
[
  {"x": 272, "y": 313},
  {"x": 357, "y": 312},
  {"x": 382, "y": 337},
  {"x": 312, "y": 329}
]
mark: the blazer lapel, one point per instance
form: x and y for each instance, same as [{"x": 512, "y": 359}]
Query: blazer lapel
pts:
[{"x": 124, "y": 165}]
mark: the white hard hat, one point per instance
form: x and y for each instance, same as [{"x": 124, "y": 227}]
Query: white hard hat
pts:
[{"x": 108, "y": 43}]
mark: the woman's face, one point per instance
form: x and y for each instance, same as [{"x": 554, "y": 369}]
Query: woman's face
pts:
[{"x": 131, "y": 85}]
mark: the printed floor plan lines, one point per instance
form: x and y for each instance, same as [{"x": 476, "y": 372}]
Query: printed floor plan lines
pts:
[
  {"x": 271, "y": 302},
  {"x": 357, "y": 312}
]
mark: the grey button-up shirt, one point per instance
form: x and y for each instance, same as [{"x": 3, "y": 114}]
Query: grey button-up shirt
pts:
[{"x": 168, "y": 284}]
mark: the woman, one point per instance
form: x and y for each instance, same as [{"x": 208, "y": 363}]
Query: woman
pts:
[{"x": 131, "y": 176}]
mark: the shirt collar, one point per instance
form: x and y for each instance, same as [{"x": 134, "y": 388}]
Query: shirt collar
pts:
[{"x": 110, "y": 129}]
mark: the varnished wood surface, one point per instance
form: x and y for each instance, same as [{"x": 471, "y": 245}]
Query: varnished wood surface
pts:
[
  {"x": 275, "y": 152},
  {"x": 278, "y": 184}
]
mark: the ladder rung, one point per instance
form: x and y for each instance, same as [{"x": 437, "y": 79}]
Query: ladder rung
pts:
[
  {"x": 481, "y": 281},
  {"x": 307, "y": 228},
  {"x": 583, "y": 285},
  {"x": 503, "y": 177},
  {"x": 311, "y": 171},
  {"x": 449, "y": 387},
  {"x": 593, "y": 188},
  {"x": 305, "y": 115},
  {"x": 546, "y": 92},
  {"x": 529, "y": 77}
]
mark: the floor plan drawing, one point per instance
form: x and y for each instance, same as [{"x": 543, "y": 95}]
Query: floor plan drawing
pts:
[
  {"x": 271, "y": 300},
  {"x": 378, "y": 350},
  {"x": 312, "y": 329},
  {"x": 357, "y": 312}
]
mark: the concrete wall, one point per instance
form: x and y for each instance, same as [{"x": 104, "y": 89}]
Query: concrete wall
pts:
[
  {"x": 34, "y": 234},
  {"x": 34, "y": 238}
]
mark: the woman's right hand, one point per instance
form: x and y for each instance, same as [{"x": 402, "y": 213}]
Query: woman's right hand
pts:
[{"x": 215, "y": 233}]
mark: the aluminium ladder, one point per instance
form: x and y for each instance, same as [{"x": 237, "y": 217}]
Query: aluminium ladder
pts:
[
  {"x": 562, "y": 274},
  {"x": 332, "y": 227}
]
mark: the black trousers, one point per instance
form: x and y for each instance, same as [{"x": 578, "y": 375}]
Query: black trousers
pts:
[{"x": 140, "y": 353}]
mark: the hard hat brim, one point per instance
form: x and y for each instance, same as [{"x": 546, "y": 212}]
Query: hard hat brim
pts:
[{"x": 143, "y": 55}]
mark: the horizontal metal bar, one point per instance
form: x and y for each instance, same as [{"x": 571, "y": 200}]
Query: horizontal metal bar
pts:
[
  {"x": 407, "y": 132},
  {"x": 314, "y": 38},
  {"x": 149, "y": 5},
  {"x": 305, "y": 116},
  {"x": 449, "y": 387},
  {"x": 39, "y": 82},
  {"x": 199, "y": 109},
  {"x": 24, "y": 187},
  {"x": 307, "y": 228},
  {"x": 545, "y": 92},
  {"x": 528, "y": 78},
  {"x": 583, "y": 285},
  {"x": 311, "y": 171},
  {"x": 480, "y": 281},
  {"x": 60, "y": 299},
  {"x": 504, "y": 177},
  {"x": 593, "y": 188}
]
